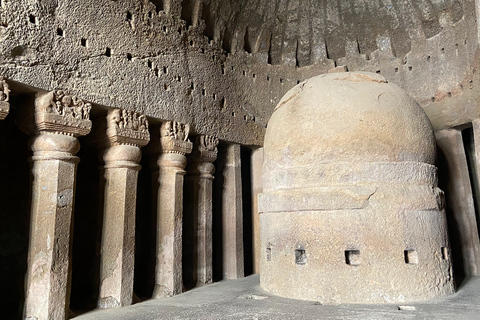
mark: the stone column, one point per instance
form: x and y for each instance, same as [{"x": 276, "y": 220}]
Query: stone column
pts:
[
  {"x": 459, "y": 197},
  {"x": 232, "y": 215},
  {"x": 171, "y": 162},
  {"x": 126, "y": 133},
  {"x": 4, "y": 98},
  {"x": 56, "y": 122},
  {"x": 257, "y": 164},
  {"x": 200, "y": 171}
]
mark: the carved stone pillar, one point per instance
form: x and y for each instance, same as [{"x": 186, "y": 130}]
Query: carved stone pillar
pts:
[
  {"x": 232, "y": 215},
  {"x": 127, "y": 132},
  {"x": 171, "y": 162},
  {"x": 459, "y": 197},
  {"x": 200, "y": 175},
  {"x": 256, "y": 178},
  {"x": 55, "y": 123},
  {"x": 4, "y": 98}
]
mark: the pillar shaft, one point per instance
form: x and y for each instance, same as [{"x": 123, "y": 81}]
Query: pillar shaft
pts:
[
  {"x": 203, "y": 222},
  {"x": 232, "y": 215},
  {"x": 58, "y": 118},
  {"x": 257, "y": 163},
  {"x": 49, "y": 251},
  {"x": 168, "y": 280},
  {"x": 201, "y": 171},
  {"x": 460, "y": 198},
  {"x": 126, "y": 132},
  {"x": 171, "y": 163}
]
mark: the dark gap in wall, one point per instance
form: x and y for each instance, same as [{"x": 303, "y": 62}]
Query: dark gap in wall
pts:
[
  {"x": 246, "y": 42},
  {"x": 453, "y": 230},
  {"x": 209, "y": 18},
  {"x": 15, "y": 190},
  {"x": 158, "y": 5},
  {"x": 83, "y": 42},
  {"x": 87, "y": 230},
  {"x": 187, "y": 12},
  {"x": 410, "y": 256},
  {"x": 269, "y": 60},
  {"x": 145, "y": 231},
  {"x": 469, "y": 145},
  {"x": 400, "y": 42},
  {"x": 217, "y": 205},
  {"x": 300, "y": 256},
  {"x": 297, "y": 53},
  {"x": 246, "y": 160},
  {"x": 108, "y": 52},
  {"x": 59, "y": 32}
]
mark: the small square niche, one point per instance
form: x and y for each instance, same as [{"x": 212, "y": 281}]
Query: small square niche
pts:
[
  {"x": 300, "y": 256},
  {"x": 353, "y": 258},
  {"x": 269, "y": 254},
  {"x": 445, "y": 255},
  {"x": 411, "y": 256}
]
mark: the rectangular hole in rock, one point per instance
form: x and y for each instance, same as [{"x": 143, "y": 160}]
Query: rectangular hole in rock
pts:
[
  {"x": 59, "y": 32},
  {"x": 83, "y": 42},
  {"x": 300, "y": 256},
  {"x": 108, "y": 52},
  {"x": 411, "y": 256},
  {"x": 353, "y": 258},
  {"x": 32, "y": 19},
  {"x": 445, "y": 253}
]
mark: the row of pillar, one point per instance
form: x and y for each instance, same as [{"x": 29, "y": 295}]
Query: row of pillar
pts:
[{"x": 55, "y": 122}]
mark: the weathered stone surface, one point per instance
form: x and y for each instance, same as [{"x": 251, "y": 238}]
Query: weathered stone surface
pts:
[
  {"x": 256, "y": 176},
  {"x": 4, "y": 97},
  {"x": 350, "y": 198},
  {"x": 232, "y": 215},
  {"x": 125, "y": 133}
]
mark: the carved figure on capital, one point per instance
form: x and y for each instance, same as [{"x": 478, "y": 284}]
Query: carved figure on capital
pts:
[
  {"x": 59, "y": 103},
  {"x": 175, "y": 130},
  {"x": 4, "y": 98},
  {"x": 206, "y": 148},
  {"x": 127, "y": 127},
  {"x": 59, "y": 112},
  {"x": 174, "y": 137}
]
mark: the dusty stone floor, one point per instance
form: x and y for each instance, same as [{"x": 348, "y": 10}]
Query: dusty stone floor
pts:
[{"x": 243, "y": 299}]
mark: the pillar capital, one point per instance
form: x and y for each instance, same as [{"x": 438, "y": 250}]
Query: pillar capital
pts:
[
  {"x": 57, "y": 112},
  {"x": 125, "y": 133},
  {"x": 127, "y": 128},
  {"x": 204, "y": 153},
  {"x": 205, "y": 149},
  {"x": 4, "y": 98},
  {"x": 174, "y": 138}
]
